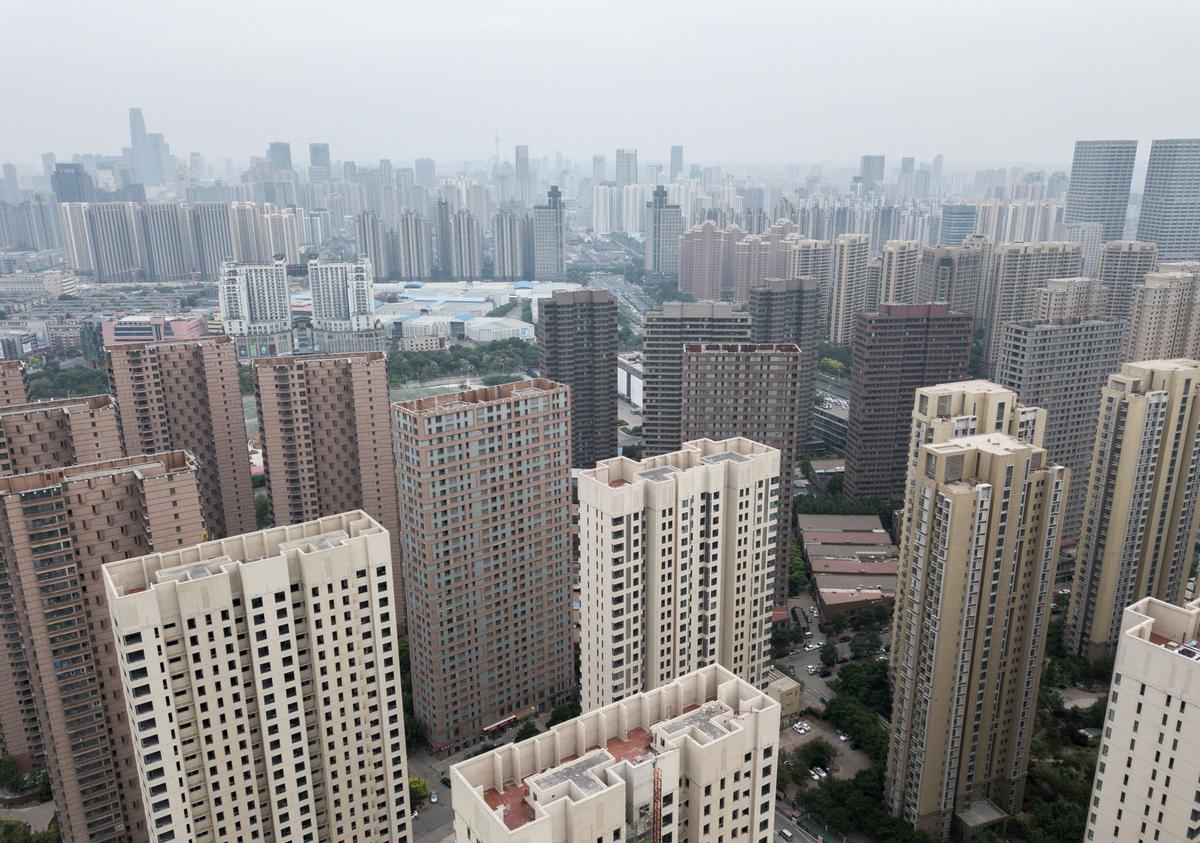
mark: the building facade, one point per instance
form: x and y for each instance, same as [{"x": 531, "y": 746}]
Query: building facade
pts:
[
  {"x": 550, "y": 238},
  {"x": 1170, "y": 209},
  {"x": 485, "y": 560},
  {"x": 1016, "y": 272},
  {"x": 343, "y": 299},
  {"x": 664, "y": 225},
  {"x": 1140, "y": 515},
  {"x": 256, "y": 307},
  {"x": 1101, "y": 172},
  {"x": 848, "y": 291},
  {"x": 263, "y": 707}
]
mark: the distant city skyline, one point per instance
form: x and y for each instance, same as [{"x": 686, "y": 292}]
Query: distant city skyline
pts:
[{"x": 468, "y": 73}]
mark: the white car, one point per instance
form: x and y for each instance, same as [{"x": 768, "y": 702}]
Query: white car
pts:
[
  {"x": 843, "y": 737},
  {"x": 811, "y": 669},
  {"x": 814, "y": 776},
  {"x": 433, "y": 797}
]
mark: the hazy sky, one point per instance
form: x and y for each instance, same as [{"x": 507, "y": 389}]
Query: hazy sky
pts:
[{"x": 800, "y": 81}]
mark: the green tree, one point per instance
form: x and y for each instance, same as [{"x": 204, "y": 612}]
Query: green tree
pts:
[
  {"x": 418, "y": 790},
  {"x": 864, "y": 644},
  {"x": 262, "y": 511},
  {"x": 246, "y": 379},
  {"x": 528, "y": 729},
  {"x": 866, "y": 682},
  {"x": 829, "y": 654},
  {"x": 815, "y": 753},
  {"x": 563, "y": 712},
  {"x": 11, "y": 778},
  {"x": 839, "y": 624}
]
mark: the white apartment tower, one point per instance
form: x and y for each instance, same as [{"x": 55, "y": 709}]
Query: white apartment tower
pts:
[
  {"x": 692, "y": 761},
  {"x": 1145, "y": 784},
  {"x": 508, "y": 245},
  {"x": 848, "y": 294},
  {"x": 901, "y": 264},
  {"x": 262, "y": 682},
  {"x": 677, "y": 560},
  {"x": 256, "y": 307},
  {"x": 343, "y": 318}
]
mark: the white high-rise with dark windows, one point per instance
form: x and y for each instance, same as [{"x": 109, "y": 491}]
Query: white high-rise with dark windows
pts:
[
  {"x": 1170, "y": 213},
  {"x": 1101, "y": 173}
]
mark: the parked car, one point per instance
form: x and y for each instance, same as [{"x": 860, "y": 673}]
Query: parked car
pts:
[
  {"x": 445, "y": 780},
  {"x": 825, "y": 673},
  {"x": 843, "y": 659},
  {"x": 843, "y": 737},
  {"x": 433, "y": 797},
  {"x": 785, "y": 834}
]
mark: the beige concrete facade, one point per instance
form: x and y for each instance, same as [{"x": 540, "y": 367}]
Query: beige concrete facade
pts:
[
  {"x": 186, "y": 395},
  {"x": 59, "y": 527},
  {"x": 1065, "y": 298},
  {"x": 1149, "y": 763},
  {"x": 978, "y": 555},
  {"x": 485, "y": 524},
  {"x": 327, "y": 442},
  {"x": 901, "y": 266},
  {"x": 58, "y": 432},
  {"x": 677, "y": 559},
  {"x": 848, "y": 287},
  {"x": 953, "y": 274},
  {"x": 1123, "y": 265},
  {"x": 1163, "y": 312},
  {"x": 261, "y": 678},
  {"x": 709, "y": 739},
  {"x": 1140, "y": 515}
]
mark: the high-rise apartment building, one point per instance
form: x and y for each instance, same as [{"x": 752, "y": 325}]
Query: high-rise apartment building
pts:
[
  {"x": 118, "y": 240},
  {"x": 898, "y": 277},
  {"x": 1164, "y": 317},
  {"x": 550, "y": 238},
  {"x": 978, "y": 552},
  {"x": 848, "y": 290},
  {"x": 58, "y": 432},
  {"x": 14, "y": 383},
  {"x": 256, "y": 307},
  {"x": 213, "y": 234},
  {"x": 664, "y": 225},
  {"x": 262, "y": 684},
  {"x": 627, "y": 167},
  {"x": 1061, "y": 365},
  {"x": 466, "y": 246},
  {"x": 693, "y": 760},
  {"x": 170, "y": 242},
  {"x": 814, "y": 259},
  {"x": 327, "y": 445},
  {"x": 952, "y": 274},
  {"x": 677, "y": 558},
  {"x": 1145, "y": 782},
  {"x": 1083, "y": 297},
  {"x": 1123, "y": 265},
  {"x": 371, "y": 239},
  {"x": 706, "y": 257},
  {"x": 762, "y": 392},
  {"x": 71, "y": 183},
  {"x": 279, "y": 155},
  {"x": 343, "y": 315},
  {"x": 666, "y": 332},
  {"x": 577, "y": 344},
  {"x": 186, "y": 396},
  {"x": 870, "y": 170},
  {"x": 1087, "y": 234},
  {"x": 413, "y": 241},
  {"x": 1140, "y": 516},
  {"x": 1016, "y": 271},
  {"x": 320, "y": 166},
  {"x": 751, "y": 265},
  {"x": 1170, "y": 210},
  {"x": 97, "y": 513},
  {"x": 251, "y": 240},
  {"x": 486, "y": 560},
  {"x": 896, "y": 350},
  {"x": 508, "y": 245},
  {"x": 282, "y": 235},
  {"x": 789, "y": 311},
  {"x": 1101, "y": 173},
  {"x": 958, "y": 223}
]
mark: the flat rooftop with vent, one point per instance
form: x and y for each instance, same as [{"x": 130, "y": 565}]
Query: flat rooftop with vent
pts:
[{"x": 639, "y": 766}]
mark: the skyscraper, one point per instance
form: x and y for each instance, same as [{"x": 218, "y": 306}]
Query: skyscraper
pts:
[
  {"x": 577, "y": 342},
  {"x": 1164, "y": 317},
  {"x": 762, "y": 392},
  {"x": 97, "y": 513},
  {"x": 425, "y": 173},
  {"x": 1101, "y": 172},
  {"x": 508, "y": 245},
  {"x": 666, "y": 332},
  {"x": 635, "y": 768},
  {"x": 414, "y": 247},
  {"x": 1066, "y": 297},
  {"x": 898, "y": 278},
  {"x": 1145, "y": 788},
  {"x": 14, "y": 383},
  {"x": 118, "y": 240},
  {"x": 1061, "y": 365},
  {"x": 676, "y": 604},
  {"x": 870, "y": 170},
  {"x": 256, "y": 307},
  {"x": 896, "y": 350},
  {"x": 627, "y": 167},
  {"x": 550, "y": 238},
  {"x": 958, "y": 222},
  {"x": 848, "y": 292},
  {"x": 170, "y": 242},
  {"x": 1123, "y": 265},
  {"x": 71, "y": 183},
  {"x": 56, "y": 432},
  {"x": 953, "y": 274},
  {"x": 466, "y": 241},
  {"x": 343, "y": 314},
  {"x": 1170, "y": 211},
  {"x": 1016, "y": 272},
  {"x": 1140, "y": 515},
  {"x": 76, "y": 236},
  {"x": 525, "y": 185},
  {"x": 297, "y": 702},
  {"x": 320, "y": 167},
  {"x": 279, "y": 154},
  {"x": 706, "y": 257},
  {"x": 486, "y": 563},
  {"x": 664, "y": 225},
  {"x": 599, "y": 169},
  {"x": 186, "y": 396},
  {"x": 213, "y": 237},
  {"x": 676, "y": 163},
  {"x": 789, "y": 311},
  {"x": 977, "y": 557}
]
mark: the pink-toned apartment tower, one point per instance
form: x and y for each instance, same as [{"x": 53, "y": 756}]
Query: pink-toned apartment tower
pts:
[
  {"x": 186, "y": 395},
  {"x": 58, "y": 527},
  {"x": 14, "y": 387},
  {"x": 327, "y": 441},
  {"x": 485, "y": 530}
]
